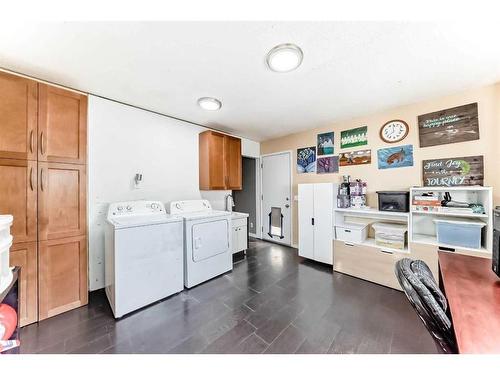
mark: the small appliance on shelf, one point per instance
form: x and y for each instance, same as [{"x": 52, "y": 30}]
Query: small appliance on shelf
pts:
[{"x": 395, "y": 201}]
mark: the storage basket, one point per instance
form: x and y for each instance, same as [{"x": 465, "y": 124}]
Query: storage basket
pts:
[{"x": 463, "y": 232}]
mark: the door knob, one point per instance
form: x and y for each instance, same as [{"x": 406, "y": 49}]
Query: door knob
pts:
[{"x": 287, "y": 205}]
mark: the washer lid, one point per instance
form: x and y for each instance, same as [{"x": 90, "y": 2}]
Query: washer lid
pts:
[{"x": 143, "y": 220}]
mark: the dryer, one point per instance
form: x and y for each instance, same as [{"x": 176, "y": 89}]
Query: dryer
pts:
[
  {"x": 143, "y": 255},
  {"x": 207, "y": 240}
]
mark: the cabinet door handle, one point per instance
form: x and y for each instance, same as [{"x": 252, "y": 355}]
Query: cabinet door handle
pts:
[
  {"x": 31, "y": 178},
  {"x": 31, "y": 141},
  {"x": 42, "y": 151},
  {"x": 349, "y": 244},
  {"x": 41, "y": 179}
]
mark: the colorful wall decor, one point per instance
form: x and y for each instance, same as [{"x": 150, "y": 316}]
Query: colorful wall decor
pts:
[
  {"x": 355, "y": 158},
  {"x": 329, "y": 164},
  {"x": 325, "y": 143},
  {"x": 354, "y": 137},
  {"x": 306, "y": 160},
  {"x": 458, "y": 124},
  {"x": 459, "y": 171},
  {"x": 395, "y": 157}
]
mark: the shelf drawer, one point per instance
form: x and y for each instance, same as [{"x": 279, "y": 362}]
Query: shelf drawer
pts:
[
  {"x": 368, "y": 263},
  {"x": 238, "y": 222}
]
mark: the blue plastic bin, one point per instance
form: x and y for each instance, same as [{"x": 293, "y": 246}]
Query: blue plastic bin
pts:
[{"x": 462, "y": 233}]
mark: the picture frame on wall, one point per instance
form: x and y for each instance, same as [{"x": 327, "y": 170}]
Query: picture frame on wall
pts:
[
  {"x": 328, "y": 164},
  {"x": 325, "y": 143},
  {"x": 306, "y": 160},
  {"x": 354, "y": 137},
  {"x": 456, "y": 171},
  {"x": 395, "y": 157},
  {"x": 452, "y": 125},
  {"x": 355, "y": 158}
]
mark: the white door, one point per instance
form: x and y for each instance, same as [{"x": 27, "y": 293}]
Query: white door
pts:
[
  {"x": 323, "y": 222},
  {"x": 306, "y": 217},
  {"x": 276, "y": 198}
]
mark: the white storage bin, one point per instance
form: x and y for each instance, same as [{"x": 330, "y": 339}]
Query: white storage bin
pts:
[
  {"x": 5, "y": 244},
  {"x": 463, "y": 232},
  {"x": 390, "y": 235},
  {"x": 351, "y": 232}
]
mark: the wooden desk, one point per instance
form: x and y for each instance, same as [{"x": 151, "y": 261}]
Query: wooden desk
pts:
[{"x": 473, "y": 293}]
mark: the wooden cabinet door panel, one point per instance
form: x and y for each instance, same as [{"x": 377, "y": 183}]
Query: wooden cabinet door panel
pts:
[
  {"x": 61, "y": 200},
  {"x": 62, "y": 125},
  {"x": 24, "y": 255},
  {"x": 18, "y": 197},
  {"x": 62, "y": 275},
  {"x": 233, "y": 163},
  {"x": 18, "y": 117},
  {"x": 216, "y": 161}
]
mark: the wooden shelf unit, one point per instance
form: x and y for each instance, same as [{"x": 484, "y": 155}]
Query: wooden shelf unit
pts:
[{"x": 368, "y": 261}]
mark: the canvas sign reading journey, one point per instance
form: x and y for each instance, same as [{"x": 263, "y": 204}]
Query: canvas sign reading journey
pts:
[
  {"x": 354, "y": 137},
  {"x": 461, "y": 171}
]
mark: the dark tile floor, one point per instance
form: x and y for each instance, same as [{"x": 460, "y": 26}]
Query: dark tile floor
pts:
[{"x": 272, "y": 302}]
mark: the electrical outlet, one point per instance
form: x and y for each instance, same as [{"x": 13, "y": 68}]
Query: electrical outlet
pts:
[{"x": 251, "y": 225}]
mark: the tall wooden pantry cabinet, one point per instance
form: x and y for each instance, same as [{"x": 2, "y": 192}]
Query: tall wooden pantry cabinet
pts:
[{"x": 43, "y": 141}]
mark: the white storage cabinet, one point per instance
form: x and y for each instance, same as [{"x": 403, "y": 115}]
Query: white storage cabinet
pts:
[{"x": 316, "y": 221}]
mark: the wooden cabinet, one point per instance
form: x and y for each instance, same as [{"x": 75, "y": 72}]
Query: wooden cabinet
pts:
[
  {"x": 62, "y": 275},
  {"x": 18, "y": 197},
  {"x": 232, "y": 149},
  {"x": 62, "y": 125},
  {"x": 220, "y": 161},
  {"x": 43, "y": 132},
  {"x": 18, "y": 121},
  {"x": 24, "y": 255},
  {"x": 61, "y": 200}
]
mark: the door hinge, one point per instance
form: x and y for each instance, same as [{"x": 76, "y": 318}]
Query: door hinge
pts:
[
  {"x": 262, "y": 165},
  {"x": 312, "y": 221},
  {"x": 262, "y": 197}
]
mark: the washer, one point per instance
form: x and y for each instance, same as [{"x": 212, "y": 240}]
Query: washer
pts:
[
  {"x": 143, "y": 255},
  {"x": 207, "y": 240}
]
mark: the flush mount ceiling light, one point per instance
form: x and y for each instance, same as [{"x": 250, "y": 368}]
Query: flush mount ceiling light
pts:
[
  {"x": 284, "y": 58},
  {"x": 209, "y": 104}
]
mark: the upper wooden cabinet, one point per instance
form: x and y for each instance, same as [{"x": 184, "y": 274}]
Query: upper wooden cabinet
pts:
[
  {"x": 62, "y": 125},
  {"x": 220, "y": 161},
  {"x": 233, "y": 163},
  {"x": 18, "y": 197},
  {"x": 61, "y": 200},
  {"x": 18, "y": 121}
]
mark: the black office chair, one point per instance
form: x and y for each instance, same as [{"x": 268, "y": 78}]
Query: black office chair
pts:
[{"x": 428, "y": 301}]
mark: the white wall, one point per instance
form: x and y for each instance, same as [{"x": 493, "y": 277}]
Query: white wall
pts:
[{"x": 123, "y": 141}]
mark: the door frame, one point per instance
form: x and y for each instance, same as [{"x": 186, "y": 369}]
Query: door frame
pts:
[
  {"x": 262, "y": 237},
  {"x": 258, "y": 201}
]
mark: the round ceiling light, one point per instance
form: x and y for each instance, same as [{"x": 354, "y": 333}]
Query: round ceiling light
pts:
[
  {"x": 284, "y": 58},
  {"x": 209, "y": 104}
]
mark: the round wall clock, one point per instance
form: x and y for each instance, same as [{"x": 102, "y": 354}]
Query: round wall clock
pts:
[{"x": 394, "y": 131}]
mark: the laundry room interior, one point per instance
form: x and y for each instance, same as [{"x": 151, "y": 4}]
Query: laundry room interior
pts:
[{"x": 249, "y": 187}]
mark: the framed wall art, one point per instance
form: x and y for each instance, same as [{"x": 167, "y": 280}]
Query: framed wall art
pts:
[
  {"x": 459, "y": 171},
  {"x": 306, "y": 160},
  {"x": 325, "y": 144},
  {"x": 395, "y": 157},
  {"x": 453, "y": 125},
  {"x": 355, "y": 158},
  {"x": 354, "y": 137}
]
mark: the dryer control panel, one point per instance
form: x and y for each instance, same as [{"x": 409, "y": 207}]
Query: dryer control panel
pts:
[
  {"x": 135, "y": 208},
  {"x": 182, "y": 207}
]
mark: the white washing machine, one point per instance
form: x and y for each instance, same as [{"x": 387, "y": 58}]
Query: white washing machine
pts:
[
  {"x": 143, "y": 255},
  {"x": 207, "y": 240}
]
